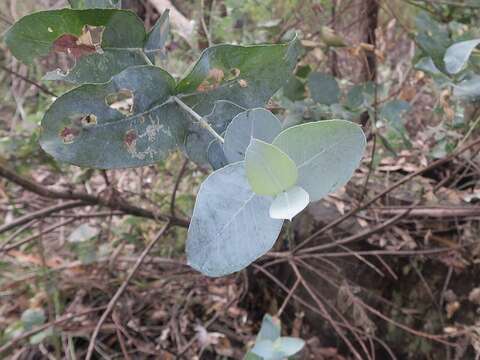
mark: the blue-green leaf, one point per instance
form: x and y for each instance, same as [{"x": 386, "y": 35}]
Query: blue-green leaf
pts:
[
  {"x": 157, "y": 37},
  {"x": 198, "y": 138},
  {"x": 230, "y": 226},
  {"x": 323, "y": 88},
  {"x": 326, "y": 153},
  {"x": 252, "y": 124},
  {"x": 245, "y": 75},
  {"x": 457, "y": 55},
  {"x": 90, "y": 4},
  {"x": 269, "y": 170},
  {"x": 270, "y": 329},
  {"x": 82, "y": 129},
  {"x": 289, "y": 203}
]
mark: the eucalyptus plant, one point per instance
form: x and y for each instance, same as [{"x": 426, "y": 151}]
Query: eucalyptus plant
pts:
[{"x": 263, "y": 173}]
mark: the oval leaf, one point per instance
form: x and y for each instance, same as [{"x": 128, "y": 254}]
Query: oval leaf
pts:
[
  {"x": 81, "y": 129},
  {"x": 216, "y": 156},
  {"x": 326, "y": 153},
  {"x": 289, "y": 203},
  {"x": 230, "y": 226},
  {"x": 289, "y": 346},
  {"x": 245, "y": 75},
  {"x": 34, "y": 35},
  {"x": 457, "y": 55},
  {"x": 270, "y": 329},
  {"x": 269, "y": 170},
  {"x": 251, "y": 124},
  {"x": 323, "y": 88}
]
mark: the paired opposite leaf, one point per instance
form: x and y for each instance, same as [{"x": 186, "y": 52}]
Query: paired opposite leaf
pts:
[
  {"x": 251, "y": 124},
  {"x": 457, "y": 55},
  {"x": 289, "y": 203},
  {"x": 230, "y": 226},
  {"x": 326, "y": 154},
  {"x": 269, "y": 170}
]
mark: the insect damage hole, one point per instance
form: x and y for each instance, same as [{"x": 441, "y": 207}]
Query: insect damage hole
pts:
[
  {"x": 88, "y": 120},
  {"x": 122, "y": 101}
]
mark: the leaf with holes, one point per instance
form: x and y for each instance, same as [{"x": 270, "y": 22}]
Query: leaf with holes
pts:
[
  {"x": 103, "y": 41},
  {"x": 198, "y": 138},
  {"x": 245, "y": 75},
  {"x": 289, "y": 203},
  {"x": 252, "y": 124},
  {"x": 457, "y": 55},
  {"x": 230, "y": 226},
  {"x": 326, "y": 154},
  {"x": 81, "y": 128},
  {"x": 269, "y": 170}
]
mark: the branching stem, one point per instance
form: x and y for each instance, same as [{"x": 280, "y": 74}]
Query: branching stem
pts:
[{"x": 199, "y": 118}]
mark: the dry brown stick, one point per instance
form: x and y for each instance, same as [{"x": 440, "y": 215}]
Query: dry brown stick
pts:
[
  {"x": 177, "y": 184},
  {"x": 38, "y": 329},
  {"x": 400, "y": 182},
  {"x": 30, "y": 81},
  {"x": 35, "y": 236},
  {"x": 40, "y": 214},
  {"x": 121, "y": 289},
  {"x": 112, "y": 202},
  {"x": 439, "y": 212}
]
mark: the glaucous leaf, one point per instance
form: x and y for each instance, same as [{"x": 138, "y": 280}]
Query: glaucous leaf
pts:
[
  {"x": 89, "y": 4},
  {"x": 157, "y": 37},
  {"x": 270, "y": 329},
  {"x": 216, "y": 156},
  {"x": 326, "y": 153},
  {"x": 251, "y": 124},
  {"x": 468, "y": 89},
  {"x": 230, "y": 226},
  {"x": 82, "y": 129},
  {"x": 198, "y": 138},
  {"x": 432, "y": 37},
  {"x": 269, "y": 170},
  {"x": 33, "y": 317},
  {"x": 34, "y": 35},
  {"x": 289, "y": 346},
  {"x": 294, "y": 89},
  {"x": 392, "y": 115},
  {"x": 289, "y": 203},
  {"x": 457, "y": 55},
  {"x": 323, "y": 88},
  {"x": 245, "y": 75}
]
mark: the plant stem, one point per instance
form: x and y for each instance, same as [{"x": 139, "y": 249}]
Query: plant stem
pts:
[{"x": 199, "y": 118}]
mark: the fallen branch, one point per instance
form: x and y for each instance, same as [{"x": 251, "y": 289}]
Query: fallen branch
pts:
[{"x": 112, "y": 202}]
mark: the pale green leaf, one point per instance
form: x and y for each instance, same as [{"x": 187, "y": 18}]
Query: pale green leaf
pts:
[
  {"x": 252, "y": 124},
  {"x": 289, "y": 203},
  {"x": 83, "y": 233},
  {"x": 270, "y": 329},
  {"x": 457, "y": 55},
  {"x": 289, "y": 346},
  {"x": 269, "y": 170},
  {"x": 33, "y": 317},
  {"x": 326, "y": 153},
  {"x": 230, "y": 226},
  {"x": 468, "y": 89}
]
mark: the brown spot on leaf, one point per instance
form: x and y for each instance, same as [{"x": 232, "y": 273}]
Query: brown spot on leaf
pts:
[
  {"x": 212, "y": 81},
  {"x": 68, "y": 44},
  {"x": 130, "y": 139},
  {"x": 243, "y": 83},
  {"x": 235, "y": 72},
  {"x": 68, "y": 134}
]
